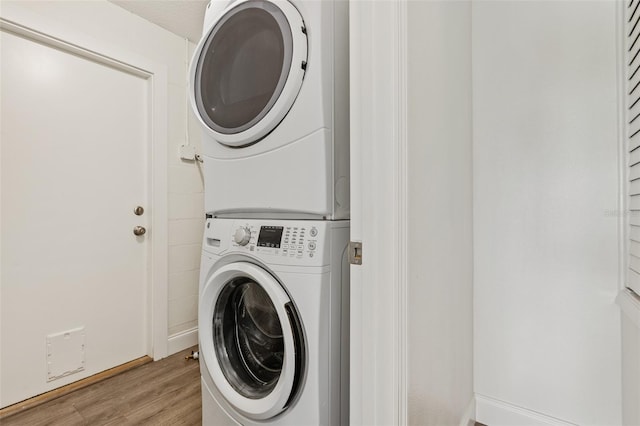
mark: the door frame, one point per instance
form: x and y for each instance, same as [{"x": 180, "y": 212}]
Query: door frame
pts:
[
  {"x": 379, "y": 212},
  {"x": 39, "y": 29}
]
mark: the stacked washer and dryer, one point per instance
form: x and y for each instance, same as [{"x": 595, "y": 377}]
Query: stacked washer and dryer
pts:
[{"x": 269, "y": 84}]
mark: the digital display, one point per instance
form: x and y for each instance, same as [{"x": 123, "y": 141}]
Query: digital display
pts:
[{"x": 270, "y": 236}]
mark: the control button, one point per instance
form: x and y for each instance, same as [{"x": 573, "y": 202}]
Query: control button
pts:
[
  {"x": 311, "y": 254},
  {"x": 299, "y": 252},
  {"x": 300, "y": 247},
  {"x": 242, "y": 236},
  {"x": 313, "y": 232},
  {"x": 312, "y": 245}
]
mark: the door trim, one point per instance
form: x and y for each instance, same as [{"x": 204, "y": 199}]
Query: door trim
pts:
[
  {"x": 379, "y": 212},
  {"x": 24, "y": 23}
]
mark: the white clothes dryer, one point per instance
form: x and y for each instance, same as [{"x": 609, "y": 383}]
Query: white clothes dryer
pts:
[
  {"x": 269, "y": 83},
  {"x": 273, "y": 322}
]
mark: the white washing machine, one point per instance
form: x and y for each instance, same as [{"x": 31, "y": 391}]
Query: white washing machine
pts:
[
  {"x": 270, "y": 86},
  {"x": 273, "y": 322}
]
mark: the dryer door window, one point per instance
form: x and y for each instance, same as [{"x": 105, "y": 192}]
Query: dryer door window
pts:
[
  {"x": 252, "y": 344},
  {"x": 245, "y": 78}
]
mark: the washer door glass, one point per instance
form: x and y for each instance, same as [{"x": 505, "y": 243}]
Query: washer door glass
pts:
[
  {"x": 251, "y": 340},
  {"x": 248, "y": 338},
  {"x": 243, "y": 66}
]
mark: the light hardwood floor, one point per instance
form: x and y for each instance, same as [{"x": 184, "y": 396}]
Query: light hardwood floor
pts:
[{"x": 166, "y": 392}]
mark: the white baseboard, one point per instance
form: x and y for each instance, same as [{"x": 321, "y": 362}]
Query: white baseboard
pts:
[
  {"x": 183, "y": 340},
  {"x": 493, "y": 412},
  {"x": 469, "y": 417}
]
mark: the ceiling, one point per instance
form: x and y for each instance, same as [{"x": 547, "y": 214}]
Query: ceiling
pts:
[{"x": 181, "y": 17}]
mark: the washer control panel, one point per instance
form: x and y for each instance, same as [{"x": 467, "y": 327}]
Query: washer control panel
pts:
[{"x": 283, "y": 240}]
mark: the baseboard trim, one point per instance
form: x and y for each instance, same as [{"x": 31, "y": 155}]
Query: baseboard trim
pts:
[
  {"x": 469, "y": 417},
  {"x": 183, "y": 340},
  {"x": 71, "y": 387},
  {"x": 493, "y": 412}
]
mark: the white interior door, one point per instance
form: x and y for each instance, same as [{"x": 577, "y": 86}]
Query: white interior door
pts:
[{"x": 74, "y": 145}]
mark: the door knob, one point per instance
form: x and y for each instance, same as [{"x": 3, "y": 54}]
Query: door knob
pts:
[
  {"x": 138, "y": 211},
  {"x": 139, "y": 230}
]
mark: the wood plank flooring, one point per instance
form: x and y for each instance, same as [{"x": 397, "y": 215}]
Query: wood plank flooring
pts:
[{"x": 166, "y": 392}]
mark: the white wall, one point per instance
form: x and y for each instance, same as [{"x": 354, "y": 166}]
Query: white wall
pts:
[
  {"x": 630, "y": 304},
  {"x": 547, "y": 337},
  {"x": 631, "y": 369},
  {"x": 186, "y": 224},
  {"x": 440, "y": 291},
  {"x": 114, "y": 27}
]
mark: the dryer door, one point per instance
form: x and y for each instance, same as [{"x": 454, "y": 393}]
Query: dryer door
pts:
[
  {"x": 247, "y": 70},
  {"x": 251, "y": 340}
]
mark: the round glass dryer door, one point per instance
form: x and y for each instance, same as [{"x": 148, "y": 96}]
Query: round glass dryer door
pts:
[
  {"x": 252, "y": 342},
  {"x": 248, "y": 70}
]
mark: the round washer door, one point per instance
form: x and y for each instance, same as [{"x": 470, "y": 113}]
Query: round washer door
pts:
[
  {"x": 251, "y": 340},
  {"x": 248, "y": 69}
]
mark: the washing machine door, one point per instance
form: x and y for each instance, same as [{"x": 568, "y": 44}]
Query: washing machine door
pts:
[
  {"x": 248, "y": 69},
  {"x": 251, "y": 340}
]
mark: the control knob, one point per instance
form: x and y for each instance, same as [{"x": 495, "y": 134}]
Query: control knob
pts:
[{"x": 242, "y": 236}]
